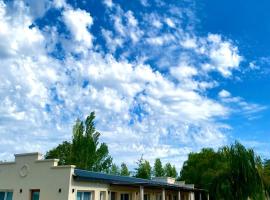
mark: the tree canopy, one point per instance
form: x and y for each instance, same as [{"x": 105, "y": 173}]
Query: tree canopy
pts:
[
  {"x": 158, "y": 168},
  {"x": 85, "y": 151},
  {"x": 144, "y": 169},
  {"x": 114, "y": 170},
  {"x": 170, "y": 171},
  {"x": 124, "y": 170},
  {"x": 233, "y": 172}
]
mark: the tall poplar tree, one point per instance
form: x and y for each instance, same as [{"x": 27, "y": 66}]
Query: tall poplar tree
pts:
[
  {"x": 158, "y": 168},
  {"x": 85, "y": 151}
]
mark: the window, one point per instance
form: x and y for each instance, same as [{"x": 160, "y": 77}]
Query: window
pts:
[
  {"x": 124, "y": 196},
  {"x": 35, "y": 194},
  {"x": 84, "y": 195},
  {"x": 102, "y": 195},
  {"x": 113, "y": 195},
  {"x": 146, "y": 197},
  {"x": 6, "y": 195},
  {"x": 158, "y": 197}
]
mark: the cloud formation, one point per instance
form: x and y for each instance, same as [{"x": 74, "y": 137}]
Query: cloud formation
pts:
[{"x": 147, "y": 82}]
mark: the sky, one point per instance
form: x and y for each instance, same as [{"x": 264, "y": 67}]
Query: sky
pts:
[{"x": 164, "y": 77}]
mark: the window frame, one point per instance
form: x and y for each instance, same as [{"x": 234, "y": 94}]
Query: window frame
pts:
[
  {"x": 147, "y": 195},
  {"x": 6, "y": 193},
  {"x": 32, "y": 191},
  {"x": 115, "y": 195},
  {"x": 102, "y": 193},
  {"x": 125, "y": 193},
  {"x": 85, "y": 191}
]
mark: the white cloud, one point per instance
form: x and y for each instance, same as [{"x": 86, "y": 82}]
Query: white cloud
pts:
[
  {"x": 224, "y": 94},
  {"x": 189, "y": 43},
  {"x": 224, "y": 56},
  {"x": 108, "y": 3},
  {"x": 79, "y": 21},
  {"x": 170, "y": 22},
  {"x": 60, "y": 3},
  {"x": 183, "y": 71}
]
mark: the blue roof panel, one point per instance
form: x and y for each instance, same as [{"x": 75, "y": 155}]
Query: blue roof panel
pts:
[{"x": 84, "y": 175}]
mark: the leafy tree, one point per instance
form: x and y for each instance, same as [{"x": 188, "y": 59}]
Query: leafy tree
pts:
[
  {"x": 202, "y": 168},
  {"x": 241, "y": 174},
  {"x": 124, "y": 170},
  {"x": 61, "y": 152},
  {"x": 86, "y": 152},
  {"x": 265, "y": 174},
  {"x": 143, "y": 170},
  {"x": 158, "y": 169},
  {"x": 170, "y": 171},
  {"x": 233, "y": 172},
  {"x": 114, "y": 170}
]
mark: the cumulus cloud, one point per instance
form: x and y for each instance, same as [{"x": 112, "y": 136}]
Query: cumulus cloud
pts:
[
  {"x": 224, "y": 56},
  {"x": 78, "y": 22}
]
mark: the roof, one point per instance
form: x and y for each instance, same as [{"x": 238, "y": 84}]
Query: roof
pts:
[{"x": 83, "y": 175}]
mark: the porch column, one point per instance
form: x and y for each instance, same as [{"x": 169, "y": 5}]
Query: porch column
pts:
[
  {"x": 189, "y": 196},
  {"x": 179, "y": 195},
  {"x": 207, "y": 196},
  {"x": 200, "y": 196},
  {"x": 141, "y": 193},
  {"x": 163, "y": 194},
  {"x": 109, "y": 195}
]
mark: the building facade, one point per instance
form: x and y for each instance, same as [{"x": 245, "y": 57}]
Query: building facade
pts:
[{"x": 30, "y": 177}]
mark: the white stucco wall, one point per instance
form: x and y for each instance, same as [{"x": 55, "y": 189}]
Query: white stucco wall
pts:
[{"x": 29, "y": 172}]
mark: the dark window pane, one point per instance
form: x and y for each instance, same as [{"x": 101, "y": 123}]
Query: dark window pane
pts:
[
  {"x": 124, "y": 196},
  {"x": 113, "y": 196},
  {"x": 146, "y": 197},
  {"x": 86, "y": 196},
  {"x": 79, "y": 195},
  {"x": 35, "y": 195},
  {"x": 2, "y": 195},
  {"x": 9, "y": 195}
]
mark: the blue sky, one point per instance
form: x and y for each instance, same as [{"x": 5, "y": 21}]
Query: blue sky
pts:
[{"x": 164, "y": 77}]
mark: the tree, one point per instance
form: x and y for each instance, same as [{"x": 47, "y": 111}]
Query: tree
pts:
[
  {"x": 170, "y": 171},
  {"x": 61, "y": 152},
  {"x": 86, "y": 152},
  {"x": 202, "y": 168},
  {"x": 233, "y": 172},
  {"x": 114, "y": 170},
  {"x": 124, "y": 170},
  {"x": 158, "y": 169},
  {"x": 143, "y": 170},
  {"x": 265, "y": 174},
  {"x": 241, "y": 174}
]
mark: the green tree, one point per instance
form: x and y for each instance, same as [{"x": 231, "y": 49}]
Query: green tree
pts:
[
  {"x": 143, "y": 170},
  {"x": 124, "y": 170},
  {"x": 158, "y": 169},
  {"x": 61, "y": 152},
  {"x": 265, "y": 174},
  {"x": 233, "y": 172},
  {"x": 202, "y": 168},
  {"x": 170, "y": 171},
  {"x": 241, "y": 173},
  {"x": 86, "y": 152},
  {"x": 114, "y": 170}
]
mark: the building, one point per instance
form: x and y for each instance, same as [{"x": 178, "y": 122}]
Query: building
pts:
[{"x": 30, "y": 177}]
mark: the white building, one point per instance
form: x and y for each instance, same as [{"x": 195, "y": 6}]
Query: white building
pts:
[{"x": 30, "y": 177}]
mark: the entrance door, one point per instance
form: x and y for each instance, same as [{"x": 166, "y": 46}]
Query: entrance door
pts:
[{"x": 35, "y": 194}]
